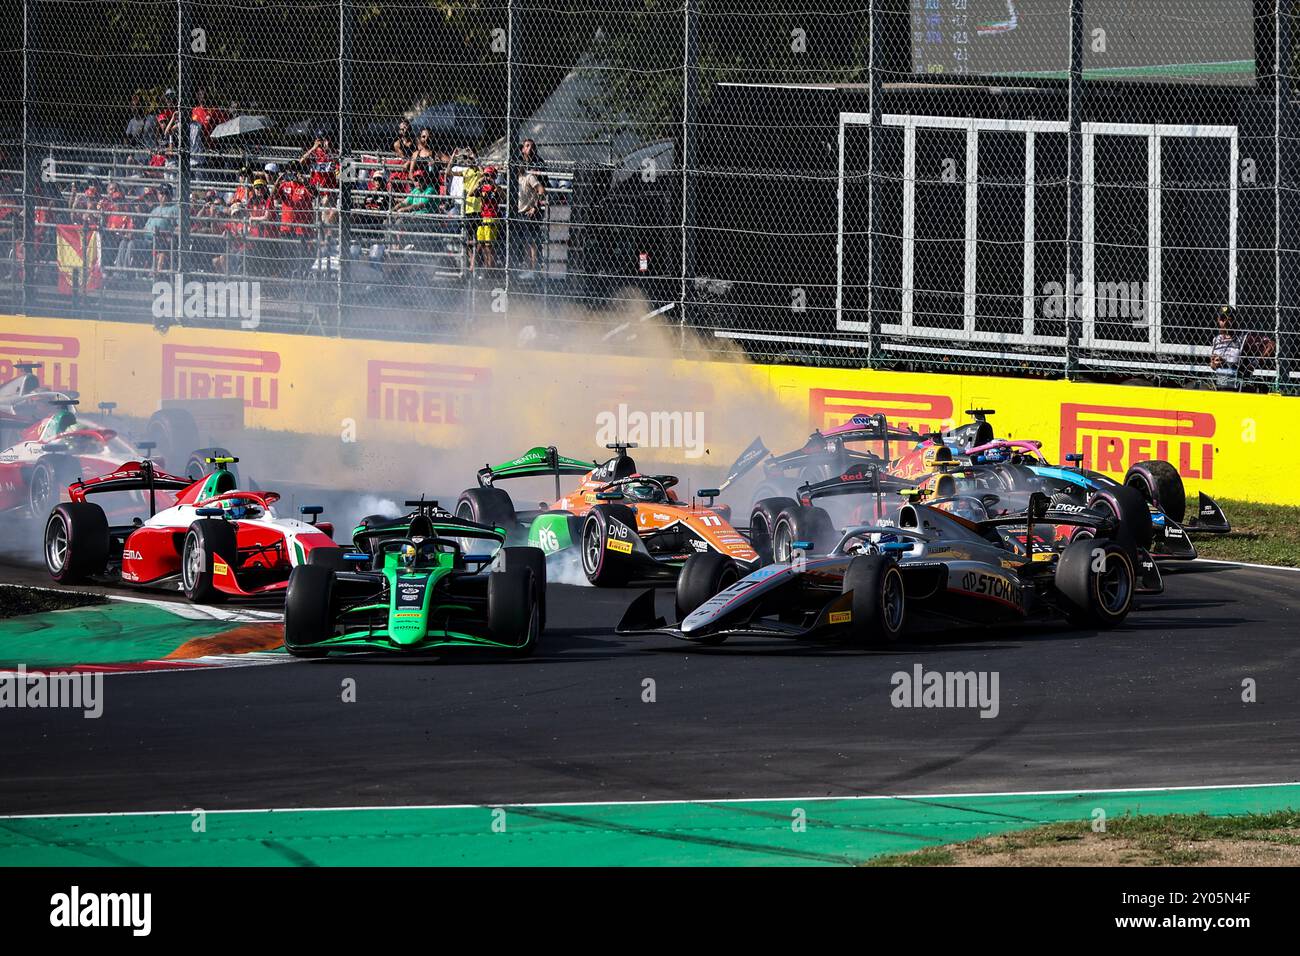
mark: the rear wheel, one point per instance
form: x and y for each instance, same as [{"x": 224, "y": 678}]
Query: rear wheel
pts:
[
  {"x": 762, "y": 521},
  {"x": 512, "y": 602},
  {"x": 1159, "y": 483},
  {"x": 76, "y": 541},
  {"x": 607, "y": 545},
  {"x": 308, "y": 610},
  {"x": 327, "y": 557},
  {"x": 489, "y": 506},
  {"x": 801, "y": 523},
  {"x": 1096, "y": 579},
  {"x": 704, "y": 575},
  {"x": 208, "y": 553},
  {"x": 50, "y": 477},
  {"x": 879, "y": 601},
  {"x": 197, "y": 465},
  {"x": 175, "y": 433}
]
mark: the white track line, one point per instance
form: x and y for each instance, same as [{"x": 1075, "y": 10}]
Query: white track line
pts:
[
  {"x": 652, "y": 803},
  {"x": 1244, "y": 564}
]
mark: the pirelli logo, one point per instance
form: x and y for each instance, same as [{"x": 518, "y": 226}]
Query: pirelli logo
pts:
[
  {"x": 56, "y": 354},
  {"x": 840, "y": 617},
  {"x": 1111, "y": 438},
  {"x": 829, "y": 407},
  {"x": 622, "y": 547},
  {"x": 429, "y": 393},
  {"x": 199, "y": 371}
]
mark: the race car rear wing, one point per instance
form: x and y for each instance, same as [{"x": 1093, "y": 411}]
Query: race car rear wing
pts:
[
  {"x": 532, "y": 463},
  {"x": 130, "y": 476}
]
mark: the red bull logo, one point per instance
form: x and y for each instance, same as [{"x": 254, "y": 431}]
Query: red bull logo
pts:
[
  {"x": 425, "y": 392},
  {"x": 56, "y": 354},
  {"x": 199, "y": 371},
  {"x": 1112, "y": 438},
  {"x": 829, "y": 407}
]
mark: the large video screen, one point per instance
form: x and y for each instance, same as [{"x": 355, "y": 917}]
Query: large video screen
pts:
[{"x": 1174, "y": 41}]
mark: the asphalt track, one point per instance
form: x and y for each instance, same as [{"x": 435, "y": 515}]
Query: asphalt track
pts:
[{"x": 1155, "y": 703}]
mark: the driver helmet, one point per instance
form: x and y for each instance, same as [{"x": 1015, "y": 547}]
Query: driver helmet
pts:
[
  {"x": 642, "y": 491},
  {"x": 64, "y": 420},
  {"x": 407, "y": 555}
]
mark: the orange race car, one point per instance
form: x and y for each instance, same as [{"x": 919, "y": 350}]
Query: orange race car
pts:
[{"x": 624, "y": 525}]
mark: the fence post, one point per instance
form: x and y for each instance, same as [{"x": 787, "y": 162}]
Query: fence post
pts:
[
  {"x": 509, "y": 158},
  {"x": 31, "y": 166},
  {"x": 1286, "y": 233},
  {"x": 874, "y": 49},
  {"x": 346, "y": 172},
  {"x": 184, "y": 100},
  {"x": 688, "y": 154},
  {"x": 1074, "y": 215}
]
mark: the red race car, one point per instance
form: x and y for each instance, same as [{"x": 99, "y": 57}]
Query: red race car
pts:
[{"x": 207, "y": 537}]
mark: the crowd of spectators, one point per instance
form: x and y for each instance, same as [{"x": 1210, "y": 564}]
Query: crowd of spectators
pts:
[{"x": 274, "y": 217}]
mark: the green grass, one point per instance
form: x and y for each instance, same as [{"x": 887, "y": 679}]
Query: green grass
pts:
[
  {"x": 1261, "y": 534},
  {"x": 19, "y": 600},
  {"x": 1160, "y": 839}
]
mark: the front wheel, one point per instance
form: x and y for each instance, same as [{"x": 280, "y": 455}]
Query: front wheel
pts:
[
  {"x": 879, "y": 605},
  {"x": 1159, "y": 483},
  {"x": 704, "y": 575},
  {"x": 1096, "y": 579},
  {"x": 513, "y": 609},
  {"x": 308, "y": 610}
]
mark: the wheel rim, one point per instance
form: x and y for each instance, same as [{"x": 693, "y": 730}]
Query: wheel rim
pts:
[
  {"x": 1140, "y": 484},
  {"x": 56, "y": 545},
  {"x": 1114, "y": 585},
  {"x": 40, "y": 490},
  {"x": 591, "y": 547},
  {"x": 891, "y": 601},
  {"x": 781, "y": 544},
  {"x": 192, "y": 562}
]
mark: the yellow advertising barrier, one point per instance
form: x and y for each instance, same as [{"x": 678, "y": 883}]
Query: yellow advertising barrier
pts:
[{"x": 436, "y": 395}]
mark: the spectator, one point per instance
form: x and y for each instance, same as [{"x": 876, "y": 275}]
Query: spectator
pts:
[
  {"x": 297, "y": 201},
  {"x": 203, "y": 120},
  {"x": 470, "y": 180},
  {"x": 321, "y": 159},
  {"x": 421, "y": 195},
  {"x": 376, "y": 198},
  {"x": 529, "y": 156},
  {"x": 404, "y": 146},
  {"x": 119, "y": 225},
  {"x": 531, "y": 206},
  {"x": 424, "y": 154},
  {"x": 488, "y": 231},
  {"x": 1236, "y": 353},
  {"x": 271, "y": 173},
  {"x": 141, "y": 131},
  {"x": 160, "y": 228}
]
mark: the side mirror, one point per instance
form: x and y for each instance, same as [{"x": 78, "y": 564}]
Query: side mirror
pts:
[
  {"x": 209, "y": 512},
  {"x": 312, "y": 510},
  {"x": 801, "y": 545},
  {"x": 1074, "y": 458},
  {"x": 709, "y": 493},
  {"x": 609, "y": 496}
]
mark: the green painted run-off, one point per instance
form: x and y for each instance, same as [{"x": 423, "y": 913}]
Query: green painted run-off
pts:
[
  {"x": 743, "y": 833},
  {"x": 106, "y": 634}
]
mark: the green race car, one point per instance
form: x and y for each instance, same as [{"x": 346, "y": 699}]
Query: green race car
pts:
[{"x": 431, "y": 581}]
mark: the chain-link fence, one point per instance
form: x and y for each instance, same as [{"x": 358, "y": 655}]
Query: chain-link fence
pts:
[{"x": 1093, "y": 188}]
